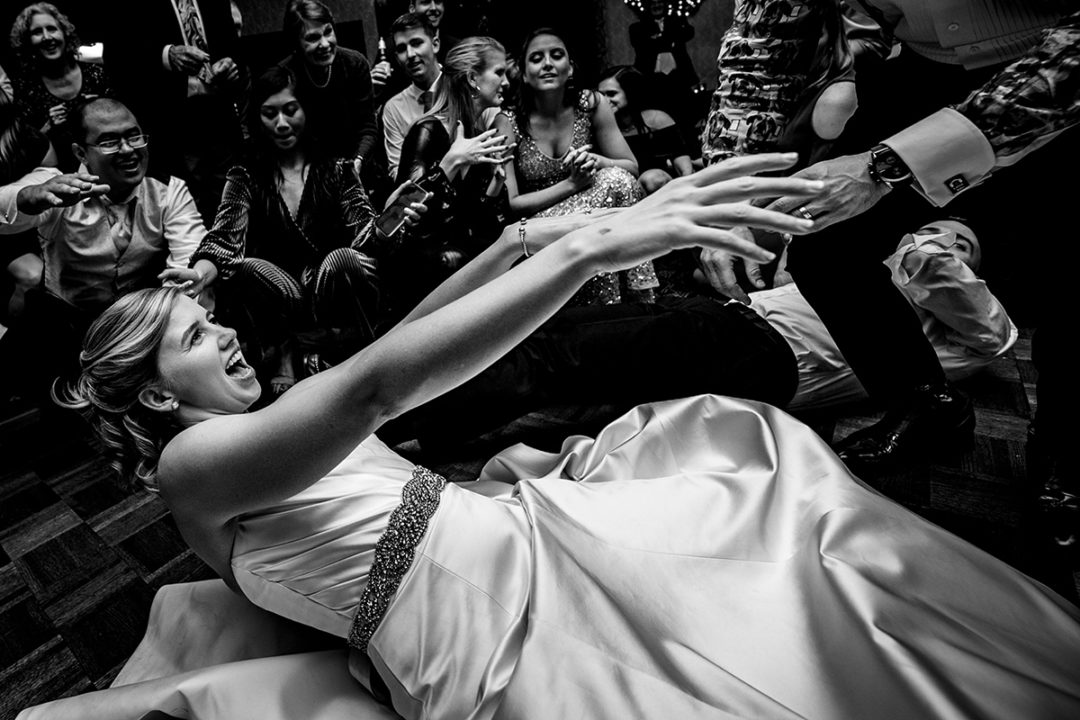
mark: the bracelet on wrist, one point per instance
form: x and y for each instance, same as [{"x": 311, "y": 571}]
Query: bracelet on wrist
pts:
[{"x": 521, "y": 237}]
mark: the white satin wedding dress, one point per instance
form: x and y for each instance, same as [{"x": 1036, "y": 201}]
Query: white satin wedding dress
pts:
[{"x": 704, "y": 557}]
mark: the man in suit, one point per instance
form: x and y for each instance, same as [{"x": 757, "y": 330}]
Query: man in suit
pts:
[{"x": 174, "y": 62}]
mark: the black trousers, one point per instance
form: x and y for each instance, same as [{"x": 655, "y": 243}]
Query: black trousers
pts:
[
  {"x": 619, "y": 355},
  {"x": 1022, "y": 216}
]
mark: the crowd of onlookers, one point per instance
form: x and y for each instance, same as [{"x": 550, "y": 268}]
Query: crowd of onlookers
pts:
[{"x": 313, "y": 203}]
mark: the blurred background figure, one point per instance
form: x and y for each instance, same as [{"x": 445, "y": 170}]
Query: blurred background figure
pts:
[
  {"x": 651, "y": 133},
  {"x": 176, "y": 64}
]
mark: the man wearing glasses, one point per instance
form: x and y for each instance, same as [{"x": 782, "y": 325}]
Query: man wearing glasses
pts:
[{"x": 105, "y": 230}]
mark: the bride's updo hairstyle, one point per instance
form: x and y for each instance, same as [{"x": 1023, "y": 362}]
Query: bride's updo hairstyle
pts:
[{"x": 118, "y": 360}]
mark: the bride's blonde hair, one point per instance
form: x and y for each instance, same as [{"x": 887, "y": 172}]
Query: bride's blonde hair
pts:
[{"x": 119, "y": 360}]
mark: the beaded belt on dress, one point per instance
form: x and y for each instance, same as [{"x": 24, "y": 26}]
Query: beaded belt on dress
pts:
[{"x": 394, "y": 552}]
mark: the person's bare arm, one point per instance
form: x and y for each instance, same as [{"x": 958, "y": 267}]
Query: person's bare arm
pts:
[
  {"x": 611, "y": 148},
  {"x": 225, "y": 466}
]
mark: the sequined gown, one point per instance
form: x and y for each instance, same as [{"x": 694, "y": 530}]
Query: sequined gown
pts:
[{"x": 612, "y": 187}]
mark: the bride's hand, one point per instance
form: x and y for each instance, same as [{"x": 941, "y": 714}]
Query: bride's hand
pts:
[{"x": 698, "y": 210}]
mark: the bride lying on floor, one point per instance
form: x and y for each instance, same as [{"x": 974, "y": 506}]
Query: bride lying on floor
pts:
[{"x": 702, "y": 557}]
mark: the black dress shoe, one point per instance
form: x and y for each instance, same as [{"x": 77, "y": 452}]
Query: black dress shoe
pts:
[
  {"x": 1057, "y": 490},
  {"x": 937, "y": 417}
]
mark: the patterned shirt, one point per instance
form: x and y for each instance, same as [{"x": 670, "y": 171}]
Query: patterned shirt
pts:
[
  {"x": 253, "y": 221},
  {"x": 1026, "y": 105}
]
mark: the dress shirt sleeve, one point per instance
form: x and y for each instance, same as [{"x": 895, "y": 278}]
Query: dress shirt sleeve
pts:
[
  {"x": 13, "y": 221},
  {"x": 225, "y": 243},
  {"x": 182, "y": 224},
  {"x": 1025, "y": 106},
  {"x": 946, "y": 288},
  {"x": 394, "y": 135}
]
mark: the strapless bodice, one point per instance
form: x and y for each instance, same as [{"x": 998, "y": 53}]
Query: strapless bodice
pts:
[{"x": 308, "y": 557}]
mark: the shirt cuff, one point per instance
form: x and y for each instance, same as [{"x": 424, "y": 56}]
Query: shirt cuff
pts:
[
  {"x": 9, "y": 206},
  {"x": 946, "y": 153},
  {"x": 165, "y": 58}
]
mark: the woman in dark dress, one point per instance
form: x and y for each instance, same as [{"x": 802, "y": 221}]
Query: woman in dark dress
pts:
[
  {"x": 652, "y": 134},
  {"x": 50, "y": 78},
  {"x": 294, "y": 241},
  {"x": 334, "y": 83}
]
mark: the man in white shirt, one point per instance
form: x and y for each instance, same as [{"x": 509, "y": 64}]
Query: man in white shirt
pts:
[
  {"x": 776, "y": 350},
  {"x": 415, "y": 44},
  {"x": 980, "y": 99},
  {"x": 105, "y": 230},
  {"x": 934, "y": 268}
]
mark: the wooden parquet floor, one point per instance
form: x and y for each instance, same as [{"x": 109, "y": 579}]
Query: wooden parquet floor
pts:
[{"x": 80, "y": 559}]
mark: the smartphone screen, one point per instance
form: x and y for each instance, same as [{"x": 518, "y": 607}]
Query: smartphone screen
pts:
[{"x": 393, "y": 217}]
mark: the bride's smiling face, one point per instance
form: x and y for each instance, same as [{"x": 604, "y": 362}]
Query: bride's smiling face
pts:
[{"x": 201, "y": 365}]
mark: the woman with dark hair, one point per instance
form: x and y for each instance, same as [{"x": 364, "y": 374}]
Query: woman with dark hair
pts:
[
  {"x": 652, "y": 134},
  {"x": 700, "y": 558},
  {"x": 334, "y": 83},
  {"x": 294, "y": 240},
  {"x": 451, "y": 153},
  {"x": 570, "y": 156},
  {"x": 50, "y": 78}
]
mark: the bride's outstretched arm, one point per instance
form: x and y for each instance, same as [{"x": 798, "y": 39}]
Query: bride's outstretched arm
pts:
[{"x": 273, "y": 453}]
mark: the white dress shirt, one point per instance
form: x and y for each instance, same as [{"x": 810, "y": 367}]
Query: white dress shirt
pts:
[{"x": 97, "y": 250}]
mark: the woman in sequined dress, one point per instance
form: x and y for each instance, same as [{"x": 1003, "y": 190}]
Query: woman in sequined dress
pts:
[{"x": 570, "y": 155}]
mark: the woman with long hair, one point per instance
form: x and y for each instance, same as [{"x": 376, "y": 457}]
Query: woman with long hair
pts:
[
  {"x": 451, "y": 152},
  {"x": 569, "y": 154},
  {"x": 50, "y": 78},
  {"x": 699, "y": 557},
  {"x": 651, "y": 133},
  {"x": 292, "y": 247}
]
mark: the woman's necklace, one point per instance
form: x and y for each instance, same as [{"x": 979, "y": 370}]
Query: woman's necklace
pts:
[{"x": 329, "y": 74}]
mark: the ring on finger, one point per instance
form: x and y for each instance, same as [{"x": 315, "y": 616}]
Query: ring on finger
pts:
[{"x": 802, "y": 211}]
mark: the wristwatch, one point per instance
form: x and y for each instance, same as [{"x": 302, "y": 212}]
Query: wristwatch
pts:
[{"x": 885, "y": 166}]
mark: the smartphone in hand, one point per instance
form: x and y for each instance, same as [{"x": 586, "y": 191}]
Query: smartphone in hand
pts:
[{"x": 393, "y": 217}]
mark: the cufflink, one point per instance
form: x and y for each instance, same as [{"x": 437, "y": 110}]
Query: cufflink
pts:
[{"x": 956, "y": 184}]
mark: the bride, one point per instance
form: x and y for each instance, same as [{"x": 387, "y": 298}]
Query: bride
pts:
[{"x": 714, "y": 559}]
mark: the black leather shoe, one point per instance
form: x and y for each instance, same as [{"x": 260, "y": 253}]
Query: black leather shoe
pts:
[
  {"x": 1057, "y": 491},
  {"x": 937, "y": 417}
]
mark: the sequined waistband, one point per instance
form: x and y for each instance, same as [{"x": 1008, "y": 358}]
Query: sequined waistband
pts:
[{"x": 394, "y": 552}]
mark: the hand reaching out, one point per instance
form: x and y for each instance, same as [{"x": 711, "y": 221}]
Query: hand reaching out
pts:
[
  {"x": 850, "y": 190},
  {"x": 718, "y": 266},
  {"x": 486, "y": 148},
  {"x": 60, "y": 191},
  {"x": 700, "y": 210}
]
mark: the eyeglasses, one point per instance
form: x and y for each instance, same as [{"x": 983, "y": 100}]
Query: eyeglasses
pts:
[{"x": 111, "y": 147}]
